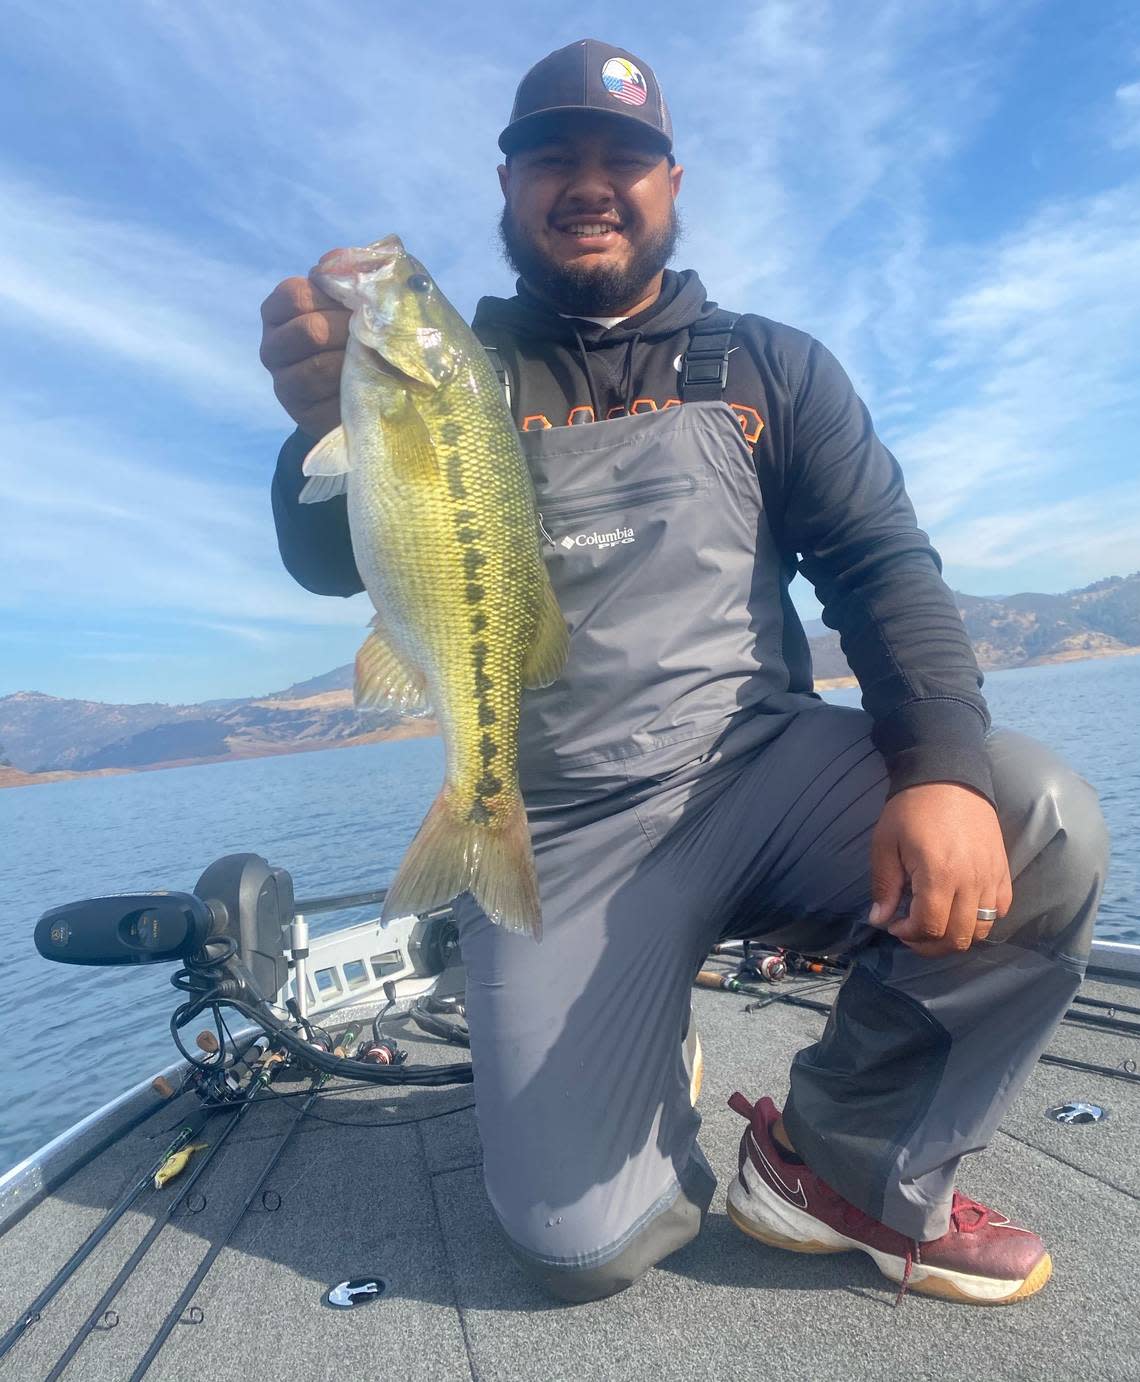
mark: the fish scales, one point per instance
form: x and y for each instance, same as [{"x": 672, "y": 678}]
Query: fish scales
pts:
[
  {"x": 477, "y": 520},
  {"x": 445, "y": 536}
]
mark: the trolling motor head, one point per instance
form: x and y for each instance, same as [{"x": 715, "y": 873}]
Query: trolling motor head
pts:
[
  {"x": 229, "y": 935},
  {"x": 240, "y": 903}
]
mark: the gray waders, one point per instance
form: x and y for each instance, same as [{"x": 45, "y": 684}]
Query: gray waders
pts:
[{"x": 678, "y": 793}]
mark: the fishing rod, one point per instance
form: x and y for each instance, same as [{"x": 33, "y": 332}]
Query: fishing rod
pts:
[
  {"x": 31, "y": 1313},
  {"x": 199, "y": 1275},
  {"x": 1104, "y": 1023},
  {"x": 259, "y": 1081},
  {"x": 1121, "y": 1072},
  {"x": 1101, "y": 1003},
  {"x": 1105, "y": 1019},
  {"x": 1126, "y": 1071}
]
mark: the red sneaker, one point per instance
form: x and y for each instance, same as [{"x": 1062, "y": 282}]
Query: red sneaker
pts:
[{"x": 982, "y": 1259}]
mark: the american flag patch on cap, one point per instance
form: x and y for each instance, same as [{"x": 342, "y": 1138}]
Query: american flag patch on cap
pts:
[{"x": 624, "y": 82}]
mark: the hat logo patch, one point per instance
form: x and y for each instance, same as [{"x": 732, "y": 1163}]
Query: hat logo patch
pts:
[{"x": 624, "y": 82}]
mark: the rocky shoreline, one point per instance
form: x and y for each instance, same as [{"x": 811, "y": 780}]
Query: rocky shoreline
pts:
[
  {"x": 418, "y": 729},
  {"x": 410, "y": 729}
]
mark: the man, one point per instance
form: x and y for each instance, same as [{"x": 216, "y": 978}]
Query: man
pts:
[{"x": 684, "y": 783}]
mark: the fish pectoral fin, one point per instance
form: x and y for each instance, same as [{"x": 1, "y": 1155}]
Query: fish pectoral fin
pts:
[
  {"x": 409, "y": 449},
  {"x": 326, "y": 467},
  {"x": 546, "y": 656},
  {"x": 385, "y": 678}
]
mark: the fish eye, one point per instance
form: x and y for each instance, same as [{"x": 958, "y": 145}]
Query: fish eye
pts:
[{"x": 418, "y": 283}]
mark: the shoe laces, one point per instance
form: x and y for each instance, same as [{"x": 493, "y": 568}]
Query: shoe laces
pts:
[{"x": 967, "y": 1215}]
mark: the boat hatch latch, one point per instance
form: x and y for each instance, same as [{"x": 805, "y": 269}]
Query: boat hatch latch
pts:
[
  {"x": 347, "y": 1295},
  {"x": 1077, "y": 1112}
]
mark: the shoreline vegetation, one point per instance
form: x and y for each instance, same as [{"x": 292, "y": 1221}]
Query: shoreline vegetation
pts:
[{"x": 426, "y": 728}]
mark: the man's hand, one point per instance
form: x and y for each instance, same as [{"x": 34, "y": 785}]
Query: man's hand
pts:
[
  {"x": 943, "y": 841},
  {"x": 303, "y": 336}
]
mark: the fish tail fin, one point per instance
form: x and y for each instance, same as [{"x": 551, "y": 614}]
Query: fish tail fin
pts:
[{"x": 451, "y": 855}]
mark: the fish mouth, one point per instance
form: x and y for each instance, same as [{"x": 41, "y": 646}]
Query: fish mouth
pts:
[{"x": 380, "y": 255}]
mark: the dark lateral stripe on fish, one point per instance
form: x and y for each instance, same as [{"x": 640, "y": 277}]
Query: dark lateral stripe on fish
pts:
[
  {"x": 488, "y": 785},
  {"x": 455, "y": 477}
]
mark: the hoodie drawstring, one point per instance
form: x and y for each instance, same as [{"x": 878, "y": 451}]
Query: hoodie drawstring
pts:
[
  {"x": 627, "y": 374},
  {"x": 626, "y": 387},
  {"x": 589, "y": 377}
]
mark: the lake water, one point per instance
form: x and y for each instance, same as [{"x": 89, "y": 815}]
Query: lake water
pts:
[{"x": 74, "y": 1037}]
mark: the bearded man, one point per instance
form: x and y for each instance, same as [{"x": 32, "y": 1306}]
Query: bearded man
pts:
[{"x": 684, "y": 783}]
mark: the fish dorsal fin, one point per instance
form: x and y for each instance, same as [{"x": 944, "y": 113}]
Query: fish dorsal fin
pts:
[
  {"x": 326, "y": 468},
  {"x": 386, "y": 679},
  {"x": 546, "y": 655}
]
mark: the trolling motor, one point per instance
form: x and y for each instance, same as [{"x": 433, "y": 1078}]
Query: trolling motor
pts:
[
  {"x": 240, "y": 898},
  {"x": 229, "y": 934}
]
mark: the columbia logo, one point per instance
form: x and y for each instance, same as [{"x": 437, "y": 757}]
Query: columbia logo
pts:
[{"x": 614, "y": 538}]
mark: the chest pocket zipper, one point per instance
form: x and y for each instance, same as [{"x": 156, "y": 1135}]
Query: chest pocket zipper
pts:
[{"x": 585, "y": 504}]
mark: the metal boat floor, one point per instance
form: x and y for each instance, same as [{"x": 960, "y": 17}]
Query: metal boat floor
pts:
[{"x": 393, "y": 1189}]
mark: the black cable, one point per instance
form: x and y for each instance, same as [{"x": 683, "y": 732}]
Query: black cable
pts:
[
  {"x": 434, "y": 1025},
  {"x": 390, "y": 994},
  {"x": 263, "y": 1015}
]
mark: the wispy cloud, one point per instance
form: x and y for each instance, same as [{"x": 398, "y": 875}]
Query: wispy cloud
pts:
[
  {"x": 813, "y": 185},
  {"x": 135, "y": 294},
  {"x": 1039, "y": 353},
  {"x": 90, "y": 526},
  {"x": 1093, "y": 536},
  {"x": 1127, "y": 133},
  {"x": 841, "y": 175}
]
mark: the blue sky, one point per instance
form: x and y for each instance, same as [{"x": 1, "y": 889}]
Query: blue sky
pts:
[{"x": 947, "y": 194}]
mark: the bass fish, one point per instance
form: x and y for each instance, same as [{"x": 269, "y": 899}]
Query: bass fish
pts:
[{"x": 445, "y": 533}]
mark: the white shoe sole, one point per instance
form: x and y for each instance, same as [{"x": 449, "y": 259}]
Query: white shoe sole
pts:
[{"x": 762, "y": 1214}]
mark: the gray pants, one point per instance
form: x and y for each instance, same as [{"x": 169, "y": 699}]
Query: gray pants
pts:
[{"x": 590, "y": 1152}]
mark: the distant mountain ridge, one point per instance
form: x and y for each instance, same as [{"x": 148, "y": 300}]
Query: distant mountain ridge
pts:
[
  {"x": 41, "y": 733},
  {"x": 45, "y": 733},
  {"x": 1023, "y": 630}
]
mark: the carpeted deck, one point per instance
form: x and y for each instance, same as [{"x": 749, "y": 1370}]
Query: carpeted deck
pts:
[{"x": 394, "y": 1190}]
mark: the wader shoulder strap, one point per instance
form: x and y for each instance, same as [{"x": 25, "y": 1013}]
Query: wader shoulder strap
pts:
[
  {"x": 500, "y": 369},
  {"x": 704, "y": 368}
]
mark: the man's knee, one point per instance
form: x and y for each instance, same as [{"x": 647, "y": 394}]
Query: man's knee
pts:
[
  {"x": 1057, "y": 844},
  {"x": 594, "y": 1273}
]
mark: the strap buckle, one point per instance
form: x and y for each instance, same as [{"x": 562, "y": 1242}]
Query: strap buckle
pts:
[{"x": 705, "y": 367}]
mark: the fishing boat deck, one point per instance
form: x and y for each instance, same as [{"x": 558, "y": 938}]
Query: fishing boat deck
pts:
[{"x": 393, "y": 1189}]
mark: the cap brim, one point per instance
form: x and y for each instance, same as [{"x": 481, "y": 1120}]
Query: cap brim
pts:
[{"x": 531, "y": 129}]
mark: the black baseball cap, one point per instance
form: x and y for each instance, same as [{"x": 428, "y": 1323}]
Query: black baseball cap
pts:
[{"x": 587, "y": 76}]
